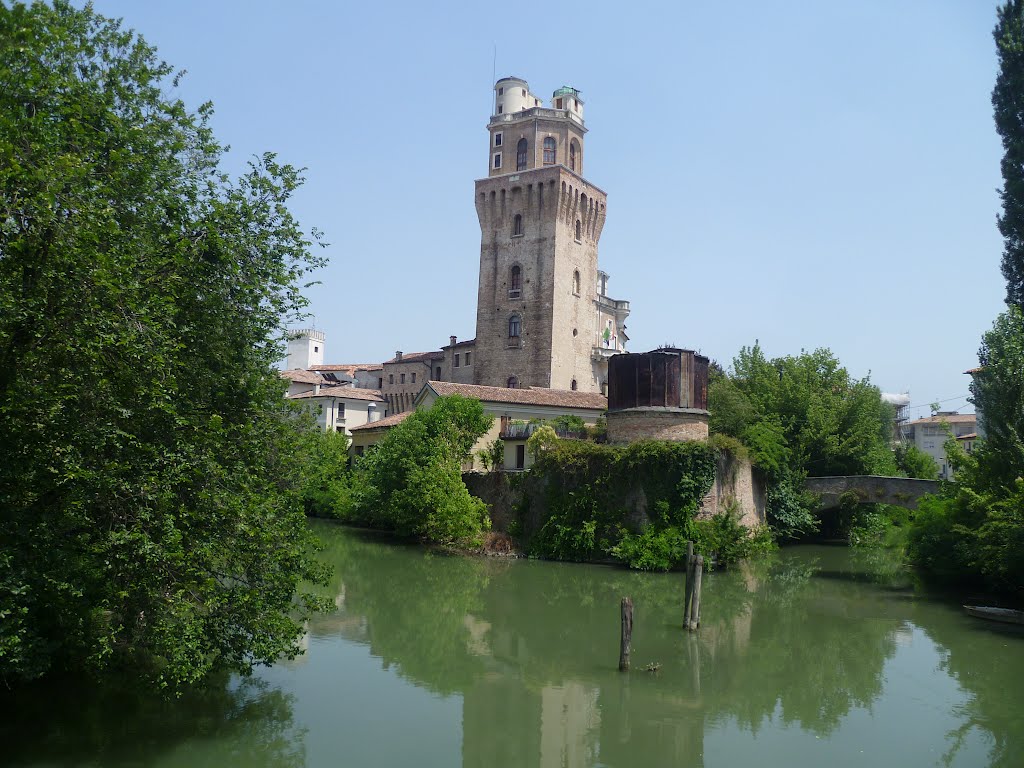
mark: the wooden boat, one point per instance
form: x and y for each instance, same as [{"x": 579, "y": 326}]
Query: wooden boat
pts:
[{"x": 1005, "y": 615}]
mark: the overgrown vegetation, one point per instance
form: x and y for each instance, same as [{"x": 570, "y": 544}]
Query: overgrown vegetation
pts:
[
  {"x": 151, "y": 522},
  {"x": 801, "y": 416},
  {"x": 591, "y": 489},
  {"x": 975, "y": 527},
  {"x": 411, "y": 482}
]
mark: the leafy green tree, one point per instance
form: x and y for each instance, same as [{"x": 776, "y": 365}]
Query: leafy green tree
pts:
[
  {"x": 976, "y": 526},
  {"x": 801, "y": 416},
  {"x": 1008, "y": 105},
  {"x": 149, "y": 518},
  {"x": 412, "y": 481},
  {"x": 326, "y": 488},
  {"x": 913, "y": 462}
]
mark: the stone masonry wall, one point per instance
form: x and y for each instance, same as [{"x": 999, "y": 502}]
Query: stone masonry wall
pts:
[{"x": 655, "y": 423}]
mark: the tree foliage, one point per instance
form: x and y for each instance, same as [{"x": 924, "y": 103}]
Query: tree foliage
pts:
[
  {"x": 147, "y": 487},
  {"x": 411, "y": 481},
  {"x": 801, "y": 416},
  {"x": 1008, "y": 105}
]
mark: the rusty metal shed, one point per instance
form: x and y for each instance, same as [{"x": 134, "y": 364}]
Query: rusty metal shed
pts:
[{"x": 665, "y": 378}]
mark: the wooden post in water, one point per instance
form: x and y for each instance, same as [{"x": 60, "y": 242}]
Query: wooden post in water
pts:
[
  {"x": 698, "y": 571},
  {"x": 627, "y": 633},
  {"x": 688, "y": 585}
]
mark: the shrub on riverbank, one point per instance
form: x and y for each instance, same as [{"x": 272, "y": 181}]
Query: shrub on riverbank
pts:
[{"x": 411, "y": 481}]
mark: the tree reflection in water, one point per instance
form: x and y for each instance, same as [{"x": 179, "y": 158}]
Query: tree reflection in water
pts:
[{"x": 73, "y": 723}]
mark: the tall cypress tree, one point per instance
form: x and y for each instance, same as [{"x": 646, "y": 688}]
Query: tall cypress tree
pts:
[{"x": 1008, "y": 103}]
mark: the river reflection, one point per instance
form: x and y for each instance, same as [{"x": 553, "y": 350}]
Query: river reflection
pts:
[{"x": 814, "y": 656}]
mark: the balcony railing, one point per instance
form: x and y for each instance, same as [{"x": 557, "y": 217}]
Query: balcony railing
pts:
[
  {"x": 537, "y": 112},
  {"x": 522, "y": 431}
]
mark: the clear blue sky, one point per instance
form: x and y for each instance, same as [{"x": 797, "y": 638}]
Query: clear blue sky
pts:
[{"x": 804, "y": 173}]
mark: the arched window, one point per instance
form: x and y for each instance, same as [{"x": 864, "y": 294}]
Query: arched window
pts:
[
  {"x": 579, "y": 230},
  {"x": 576, "y": 282},
  {"x": 517, "y": 225},
  {"x": 521, "y": 155},
  {"x": 549, "y": 151},
  {"x": 573, "y": 385},
  {"x": 515, "y": 282},
  {"x": 512, "y": 382},
  {"x": 574, "y": 149},
  {"x": 515, "y": 326}
]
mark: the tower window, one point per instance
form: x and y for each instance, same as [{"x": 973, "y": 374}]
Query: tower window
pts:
[
  {"x": 558, "y": 104},
  {"x": 521, "y": 155},
  {"x": 316, "y": 349},
  {"x": 500, "y": 109},
  {"x": 512, "y": 382},
  {"x": 501, "y": 90},
  {"x": 576, "y": 282},
  {"x": 549, "y": 151},
  {"x": 515, "y": 326},
  {"x": 517, "y": 225},
  {"x": 497, "y": 159},
  {"x": 573, "y": 150},
  {"x": 524, "y": 92},
  {"x": 497, "y": 139},
  {"x": 579, "y": 231},
  {"x": 515, "y": 282},
  {"x": 573, "y": 385}
]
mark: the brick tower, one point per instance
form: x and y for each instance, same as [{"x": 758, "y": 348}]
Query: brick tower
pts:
[{"x": 543, "y": 316}]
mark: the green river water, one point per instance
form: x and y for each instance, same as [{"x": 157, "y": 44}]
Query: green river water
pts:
[{"x": 816, "y": 656}]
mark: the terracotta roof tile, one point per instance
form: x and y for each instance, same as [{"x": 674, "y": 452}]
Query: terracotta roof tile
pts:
[
  {"x": 349, "y": 368},
  {"x": 562, "y": 398},
  {"x": 346, "y": 393},
  {"x": 952, "y": 418},
  {"x": 385, "y": 423},
  {"x": 971, "y": 436},
  {"x": 303, "y": 377},
  {"x": 416, "y": 357}
]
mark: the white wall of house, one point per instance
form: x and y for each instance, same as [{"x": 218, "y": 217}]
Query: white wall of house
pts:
[{"x": 341, "y": 414}]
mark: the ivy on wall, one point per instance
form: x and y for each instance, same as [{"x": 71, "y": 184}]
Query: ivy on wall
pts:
[{"x": 635, "y": 504}]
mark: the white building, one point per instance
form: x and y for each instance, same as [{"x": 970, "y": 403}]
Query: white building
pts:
[{"x": 930, "y": 435}]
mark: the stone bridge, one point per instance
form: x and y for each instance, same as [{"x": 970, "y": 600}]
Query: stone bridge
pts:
[{"x": 871, "y": 489}]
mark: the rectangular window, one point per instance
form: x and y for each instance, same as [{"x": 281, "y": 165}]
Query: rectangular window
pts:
[
  {"x": 520, "y": 456},
  {"x": 497, "y": 159},
  {"x": 500, "y": 109},
  {"x": 414, "y": 378},
  {"x": 391, "y": 378},
  {"x": 558, "y": 104},
  {"x": 467, "y": 357},
  {"x": 359, "y": 450},
  {"x": 341, "y": 411},
  {"x": 501, "y": 91},
  {"x": 524, "y": 92},
  {"x": 497, "y": 139},
  {"x": 403, "y": 378},
  {"x": 380, "y": 382},
  {"x": 456, "y": 361}
]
